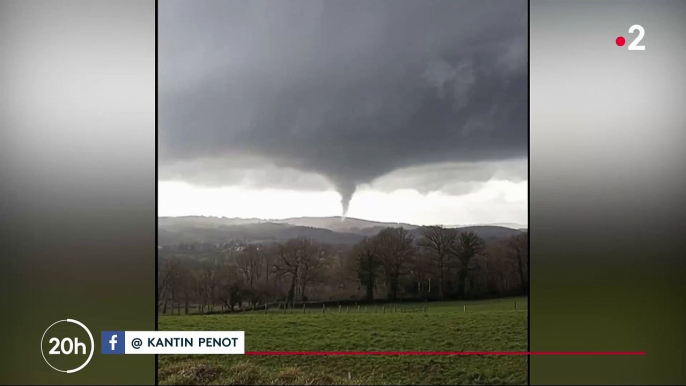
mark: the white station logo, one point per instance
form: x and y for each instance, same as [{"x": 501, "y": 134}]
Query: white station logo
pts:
[{"x": 67, "y": 346}]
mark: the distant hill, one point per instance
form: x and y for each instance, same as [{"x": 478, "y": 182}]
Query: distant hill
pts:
[
  {"x": 336, "y": 224},
  {"x": 486, "y": 232},
  {"x": 510, "y": 225},
  {"x": 171, "y": 233},
  {"x": 330, "y": 230},
  {"x": 203, "y": 221}
]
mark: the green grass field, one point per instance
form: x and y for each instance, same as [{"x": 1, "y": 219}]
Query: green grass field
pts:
[{"x": 493, "y": 325}]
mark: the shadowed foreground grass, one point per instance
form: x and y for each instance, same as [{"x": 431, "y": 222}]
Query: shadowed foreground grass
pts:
[{"x": 489, "y": 326}]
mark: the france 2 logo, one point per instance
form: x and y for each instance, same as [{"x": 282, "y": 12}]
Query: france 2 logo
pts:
[{"x": 634, "y": 45}]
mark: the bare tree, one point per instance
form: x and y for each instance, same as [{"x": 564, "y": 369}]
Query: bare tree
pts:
[
  {"x": 421, "y": 271},
  {"x": 268, "y": 261},
  {"x": 396, "y": 249},
  {"x": 187, "y": 286},
  {"x": 169, "y": 283},
  {"x": 164, "y": 278},
  {"x": 232, "y": 288},
  {"x": 519, "y": 252},
  {"x": 438, "y": 241},
  {"x": 312, "y": 266},
  {"x": 343, "y": 269},
  {"x": 293, "y": 260},
  {"x": 211, "y": 280},
  {"x": 249, "y": 263},
  {"x": 441, "y": 262},
  {"x": 467, "y": 245},
  {"x": 367, "y": 262}
]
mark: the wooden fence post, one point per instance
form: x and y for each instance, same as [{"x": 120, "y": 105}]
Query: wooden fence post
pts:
[
  {"x": 383, "y": 308},
  {"x": 339, "y": 308},
  {"x": 358, "y": 308},
  {"x": 303, "y": 308},
  {"x": 323, "y": 308}
]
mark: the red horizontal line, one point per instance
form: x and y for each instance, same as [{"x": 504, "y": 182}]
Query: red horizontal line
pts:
[{"x": 445, "y": 353}]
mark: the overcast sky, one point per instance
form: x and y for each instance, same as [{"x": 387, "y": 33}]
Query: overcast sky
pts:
[{"x": 411, "y": 111}]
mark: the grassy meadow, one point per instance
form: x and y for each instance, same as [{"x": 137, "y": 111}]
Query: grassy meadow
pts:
[{"x": 492, "y": 325}]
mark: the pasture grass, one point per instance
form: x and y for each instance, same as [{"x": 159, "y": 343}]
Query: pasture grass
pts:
[{"x": 492, "y": 325}]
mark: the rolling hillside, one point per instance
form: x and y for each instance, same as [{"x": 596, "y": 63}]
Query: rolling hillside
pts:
[{"x": 329, "y": 230}]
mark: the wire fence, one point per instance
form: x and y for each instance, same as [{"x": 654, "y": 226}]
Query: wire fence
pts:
[{"x": 282, "y": 308}]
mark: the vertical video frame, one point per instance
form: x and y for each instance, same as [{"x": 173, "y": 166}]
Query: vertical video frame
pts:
[{"x": 346, "y": 182}]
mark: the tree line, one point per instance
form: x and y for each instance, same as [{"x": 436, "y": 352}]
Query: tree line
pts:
[{"x": 442, "y": 263}]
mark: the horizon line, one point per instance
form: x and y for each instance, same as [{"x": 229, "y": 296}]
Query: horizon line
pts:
[{"x": 348, "y": 217}]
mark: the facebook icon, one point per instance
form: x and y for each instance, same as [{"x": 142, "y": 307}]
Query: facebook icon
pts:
[{"x": 113, "y": 342}]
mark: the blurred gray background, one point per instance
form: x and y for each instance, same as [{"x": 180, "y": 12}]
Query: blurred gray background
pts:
[
  {"x": 77, "y": 181},
  {"x": 607, "y": 190}
]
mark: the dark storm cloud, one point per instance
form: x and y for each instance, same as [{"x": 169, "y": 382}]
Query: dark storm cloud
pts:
[{"x": 348, "y": 89}]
